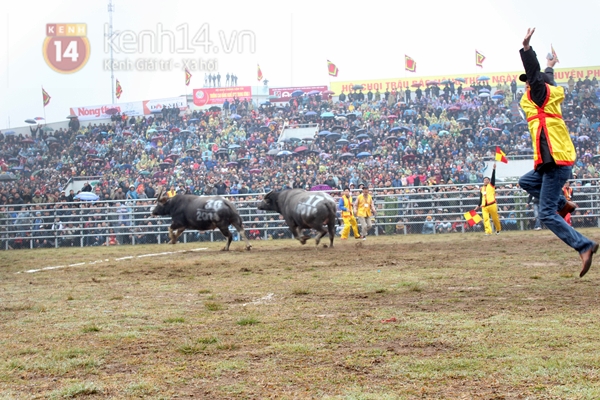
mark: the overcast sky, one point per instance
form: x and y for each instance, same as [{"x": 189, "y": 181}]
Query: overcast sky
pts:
[{"x": 291, "y": 41}]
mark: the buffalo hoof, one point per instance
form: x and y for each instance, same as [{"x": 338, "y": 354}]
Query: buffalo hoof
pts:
[
  {"x": 224, "y": 249},
  {"x": 325, "y": 246},
  {"x": 248, "y": 248},
  {"x": 302, "y": 241}
]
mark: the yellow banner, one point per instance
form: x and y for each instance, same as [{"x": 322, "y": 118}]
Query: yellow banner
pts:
[{"x": 561, "y": 75}]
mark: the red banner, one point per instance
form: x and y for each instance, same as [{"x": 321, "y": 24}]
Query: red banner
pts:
[
  {"x": 285, "y": 94},
  {"x": 207, "y": 96}
]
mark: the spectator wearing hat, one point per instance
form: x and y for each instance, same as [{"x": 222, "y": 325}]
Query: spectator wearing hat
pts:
[{"x": 554, "y": 153}]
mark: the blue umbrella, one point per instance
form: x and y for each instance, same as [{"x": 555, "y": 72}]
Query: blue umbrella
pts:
[
  {"x": 483, "y": 78},
  {"x": 342, "y": 142},
  {"x": 234, "y": 146},
  {"x": 266, "y": 103},
  {"x": 126, "y": 166},
  {"x": 396, "y": 129},
  {"x": 284, "y": 153},
  {"x": 324, "y": 133},
  {"x": 363, "y": 154},
  {"x": 497, "y": 97},
  {"x": 334, "y": 136},
  {"x": 9, "y": 133},
  {"x": 19, "y": 168},
  {"x": 410, "y": 112},
  {"x": 104, "y": 133},
  {"x": 484, "y": 94},
  {"x": 327, "y": 115},
  {"x": 362, "y": 136},
  {"x": 297, "y": 93},
  {"x": 484, "y": 90},
  {"x": 310, "y": 113},
  {"x": 435, "y": 126},
  {"x": 87, "y": 196},
  {"x": 235, "y": 116},
  {"x": 194, "y": 120},
  {"x": 365, "y": 143},
  {"x": 463, "y": 80}
]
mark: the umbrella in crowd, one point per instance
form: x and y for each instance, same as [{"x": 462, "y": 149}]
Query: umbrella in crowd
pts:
[
  {"x": 463, "y": 119},
  {"x": 342, "y": 142},
  {"x": 235, "y": 116},
  {"x": 313, "y": 92},
  {"x": 273, "y": 152},
  {"x": 363, "y": 154},
  {"x": 185, "y": 159},
  {"x": 47, "y": 129},
  {"x": 300, "y": 149},
  {"x": 416, "y": 85},
  {"x": 255, "y": 171},
  {"x": 310, "y": 113},
  {"x": 484, "y": 90},
  {"x": 297, "y": 93},
  {"x": 231, "y": 164},
  {"x": 317, "y": 188},
  {"x": 409, "y": 112},
  {"x": 9, "y": 133},
  {"x": 461, "y": 80},
  {"x": 112, "y": 111},
  {"x": 8, "y": 177},
  {"x": 31, "y": 121},
  {"x": 87, "y": 196},
  {"x": 71, "y": 116},
  {"x": 358, "y": 87},
  {"x": 483, "y": 78},
  {"x": 346, "y": 155},
  {"x": 214, "y": 109},
  {"x": 467, "y": 89},
  {"x": 334, "y": 136},
  {"x": 234, "y": 146},
  {"x": 283, "y": 153},
  {"x": 484, "y": 94},
  {"x": 327, "y": 115},
  {"x": 362, "y": 136}
]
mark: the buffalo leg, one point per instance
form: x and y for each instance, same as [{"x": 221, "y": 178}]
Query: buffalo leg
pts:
[
  {"x": 228, "y": 235},
  {"x": 321, "y": 231},
  {"x": 240, "y": 228},
  {"x": 331, "y": 227},
  {"x": 174, "y": 233}
]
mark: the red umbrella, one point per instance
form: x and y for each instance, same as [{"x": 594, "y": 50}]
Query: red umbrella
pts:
[
  {"x": 174, "y": 129},
  {"x": 27, "y": 141},
  {"x": 173, "y": 156},
  {"x": 168, "y": 160},
  {"x": 300, "y": 149},
  {"x": 111, "y": 111},
  {"x": 392, "y": 116},
  {"x": 255, "y": 171},
  {"x": 429, "y": 83},
  {"x": 416, "y": 85},
  {"x": 328, "y": 92},
  {"x": 468, "y": 89}
]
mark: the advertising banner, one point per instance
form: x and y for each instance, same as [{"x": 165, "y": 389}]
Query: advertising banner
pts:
[
  {"x": 285, "y": 93},
  {"x": 561, "y": 76},
  {"x": 88, "y": 113},
  {"x": 209, "y": 96},
  {"x": 131, "y": 109}
]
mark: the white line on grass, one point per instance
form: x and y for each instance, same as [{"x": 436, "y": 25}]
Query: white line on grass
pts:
[{"x": 30, "y": 271}]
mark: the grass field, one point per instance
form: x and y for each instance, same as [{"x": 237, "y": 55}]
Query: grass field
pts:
[{"x": 403, "y": 317}]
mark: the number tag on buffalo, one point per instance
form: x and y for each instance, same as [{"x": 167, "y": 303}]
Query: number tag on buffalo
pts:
[{"x": 309, "y": 207}]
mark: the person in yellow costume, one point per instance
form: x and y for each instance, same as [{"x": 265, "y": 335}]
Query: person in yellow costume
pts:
[
  {"x": 488, "y": 205},
  {"x": 364, "y": 208},
  {"x": 553, "y": 152},
  {"x": 348, "y": 215}
]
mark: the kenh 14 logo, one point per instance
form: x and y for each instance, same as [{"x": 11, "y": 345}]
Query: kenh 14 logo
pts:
[{"x": 66, "y": 47}]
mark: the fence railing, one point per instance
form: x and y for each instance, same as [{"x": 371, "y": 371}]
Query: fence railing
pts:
[{"x": 400, "y": 211}]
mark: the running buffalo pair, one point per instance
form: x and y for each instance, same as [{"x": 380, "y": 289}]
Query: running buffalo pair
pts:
[{"x": 300, "y": 209}]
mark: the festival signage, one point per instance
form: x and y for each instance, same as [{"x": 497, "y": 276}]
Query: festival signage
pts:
[
  {"x": 155, "y": 106},
  {"x": 88, "y": 113},
  {"x": 209, "y": 96},
  {"x": 561, "y": 76},
  {"x": 284, "y": 94},
  {"x": 131, "y": 109}
]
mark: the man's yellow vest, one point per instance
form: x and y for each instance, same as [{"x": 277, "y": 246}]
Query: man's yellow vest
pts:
[
  {"x": 348, "y": 205},
  {"x": 549, "y": 117},
  {"x": 488, "y": 195},
  {"x": 364, "y": 206}
]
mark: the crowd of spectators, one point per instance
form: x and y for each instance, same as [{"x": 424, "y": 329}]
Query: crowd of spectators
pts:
[{"x": 414, "y": 141}]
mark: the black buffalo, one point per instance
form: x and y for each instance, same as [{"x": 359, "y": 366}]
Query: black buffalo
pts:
[
  {"x": 304, "y": 210},
  {"x": 201, "y": 213}
]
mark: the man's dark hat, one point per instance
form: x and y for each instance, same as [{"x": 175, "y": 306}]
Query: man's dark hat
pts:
[{"x": 523, "y": 78}]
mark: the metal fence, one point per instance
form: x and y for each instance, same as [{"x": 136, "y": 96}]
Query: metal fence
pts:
[{"x": 401, "y": 211}]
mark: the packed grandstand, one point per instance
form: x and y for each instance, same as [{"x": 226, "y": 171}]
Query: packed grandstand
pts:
[{"x": 429, "y": 141}]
